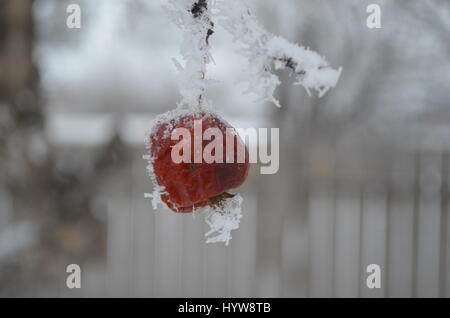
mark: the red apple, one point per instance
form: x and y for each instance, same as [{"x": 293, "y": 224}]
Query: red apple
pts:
[{"x": 189, "y": 185}]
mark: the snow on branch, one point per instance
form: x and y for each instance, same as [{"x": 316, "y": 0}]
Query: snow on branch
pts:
[
  {"x": 193, "y": 18},
  {"x": 265, "y": 51}
]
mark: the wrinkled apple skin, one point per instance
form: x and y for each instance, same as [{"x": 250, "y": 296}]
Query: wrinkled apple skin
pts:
[{"x": 189, "y": 186}]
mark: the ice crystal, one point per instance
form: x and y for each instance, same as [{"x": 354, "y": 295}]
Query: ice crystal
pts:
[
  {"x": 222, "y": 219},
  {"x": 266, "y": 51}
]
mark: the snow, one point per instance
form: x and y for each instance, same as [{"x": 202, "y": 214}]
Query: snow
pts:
[
  {"x": 264, "y": 50},
  {"x": 223, "y": 219},
  {"x": 195, "y": 51},
  {"x": 310, "y": 69}
]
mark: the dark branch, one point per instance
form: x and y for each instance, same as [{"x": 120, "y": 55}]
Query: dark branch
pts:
[
  {"x": 198, "y": 10},
  {"x": 289, "y": 63}
]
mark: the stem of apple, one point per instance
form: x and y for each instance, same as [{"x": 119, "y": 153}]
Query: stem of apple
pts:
[
  {"x": 200, "y": 11},
  {"x": 217, "y": 200}
]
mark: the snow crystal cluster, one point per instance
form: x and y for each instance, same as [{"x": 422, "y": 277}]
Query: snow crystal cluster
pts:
[
  {"x": 157, "y": 189},
  {"x": 265, "y": 51},
  {"x": 223, "y": 219},
  {"x": 196, "y": 26}
]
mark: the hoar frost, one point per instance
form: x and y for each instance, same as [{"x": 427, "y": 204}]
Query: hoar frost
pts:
[
  {"x": 264, "y": 52},
  {"x": 194, "y": 49}
]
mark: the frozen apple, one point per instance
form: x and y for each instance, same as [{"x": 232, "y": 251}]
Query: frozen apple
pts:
[{"x": 197, "y": 157}]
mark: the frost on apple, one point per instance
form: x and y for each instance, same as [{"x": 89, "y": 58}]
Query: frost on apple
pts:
[
  {"x": 158, "y": 190},
  {"x": 264, "y": 51},
  {"x": 155, "y": 196}
]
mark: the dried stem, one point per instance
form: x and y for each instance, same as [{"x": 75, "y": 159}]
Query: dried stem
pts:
[
  {"x": 262, "y": 48},
  {"x": 200, "y": 11}
]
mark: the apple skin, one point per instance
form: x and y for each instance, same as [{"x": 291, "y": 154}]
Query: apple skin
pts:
[{"x": 189, "y": 186}]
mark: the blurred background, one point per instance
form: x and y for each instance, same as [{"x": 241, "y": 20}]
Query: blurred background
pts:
[{"x": 363, "y": 177}]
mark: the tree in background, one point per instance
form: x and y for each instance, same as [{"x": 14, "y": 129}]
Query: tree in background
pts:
[{"x": 51, "y": 203}]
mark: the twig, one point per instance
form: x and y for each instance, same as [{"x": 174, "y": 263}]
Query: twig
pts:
[{"x": 263, "y": 49}]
